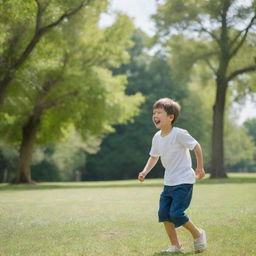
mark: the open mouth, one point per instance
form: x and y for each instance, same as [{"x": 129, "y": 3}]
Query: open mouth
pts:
[{"x": 157, "y": 122}]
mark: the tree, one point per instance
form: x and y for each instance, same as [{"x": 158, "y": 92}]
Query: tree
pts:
[
  {"x": 220, "y": 34},
  {"x": 250, "y": 125},
  {"x": 70, "y": 85},
  {"x": 196, "y": 108},
  {"x": 69, "y": 155},
  {"x": 239, "y": 146},
  {"x": 16, "y": 17},
  {"x": 8, "y": 157},
  {"x": 125, "y": 152}
]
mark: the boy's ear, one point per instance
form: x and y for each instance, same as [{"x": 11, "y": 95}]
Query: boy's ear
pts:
[{"x": 171, "y": 117}]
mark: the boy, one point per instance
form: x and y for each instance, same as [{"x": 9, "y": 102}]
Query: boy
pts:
[{"x": 172, "y": 145}]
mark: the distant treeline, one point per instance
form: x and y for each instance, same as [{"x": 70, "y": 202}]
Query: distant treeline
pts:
[{"x": 76, "y": 98}]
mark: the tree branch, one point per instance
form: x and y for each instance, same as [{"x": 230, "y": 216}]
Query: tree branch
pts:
[
  {"x": 38, "y": 16},
  {"x": 239, "y": 45},
  {"x": 236, "y": 37},
  {"x": 211, "y": 66},
  {"x": 241, "y": 71},
  {"x": 65, "y": 15},
  {"x": 206, "y": 57},
  {"x": 55, "y": 103},
  {"x": 41, "y": 31},
  {"x": 208, "y": 32}
]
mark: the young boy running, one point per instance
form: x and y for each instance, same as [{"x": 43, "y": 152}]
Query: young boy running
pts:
[{"x": 172, "y": 145}]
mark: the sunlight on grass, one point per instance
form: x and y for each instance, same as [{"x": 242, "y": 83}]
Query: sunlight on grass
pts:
[{"x": 120, "y": 218}]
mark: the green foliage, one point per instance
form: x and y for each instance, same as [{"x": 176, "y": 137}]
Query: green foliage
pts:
[
  {"x": 125, "y": 152},
  {"x": 67, "y": 79},
  {"x": 17, "y": 21},
  {"x": 251, "y": 127},
  {"x": 46, "y": 171},
  {"x": 216, "y": 34},
  {"x": 197, "y": 35},
  {"x": 244, "y": 84},
  {"x": 83, "y": 80},
  {"x": 69, "y": 155},
  {"x": 93, "y": 95},
  {"x": 185, "y": 52},
  {"x": 239, "y": 146},
  {"x": 196, "y": 110},
  {"x": 8, "y": 158},
  {"x": 240, "y": 150}
]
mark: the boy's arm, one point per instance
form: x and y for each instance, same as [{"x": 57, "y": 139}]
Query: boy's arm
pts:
[
  {"x": 200, "y": 173},
  {"x": 148, "y": 167}
]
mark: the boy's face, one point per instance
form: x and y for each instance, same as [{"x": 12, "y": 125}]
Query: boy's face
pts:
[{"x": 161, "y": 119}]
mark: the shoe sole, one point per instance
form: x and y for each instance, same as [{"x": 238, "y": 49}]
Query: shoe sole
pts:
[{"x": 200, "y": 250}]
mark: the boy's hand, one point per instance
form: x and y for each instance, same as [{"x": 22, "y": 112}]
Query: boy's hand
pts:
[
  {"x": 200, "y": 173},
  {"x": 141, "y": 176}
]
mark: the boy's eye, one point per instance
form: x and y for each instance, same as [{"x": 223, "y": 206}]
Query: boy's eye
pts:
[{"x": 158, "y": 112}]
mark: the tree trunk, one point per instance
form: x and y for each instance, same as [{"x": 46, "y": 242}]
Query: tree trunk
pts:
[
  {"x": 5, "y": 175},
  {"x": 3, "y": 87},
  {"x": 29, "y": 131},
  {"x": 78, "y": 174},
  {"x": 217, "y": 168}
]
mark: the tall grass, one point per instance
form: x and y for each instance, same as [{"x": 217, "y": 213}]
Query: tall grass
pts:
[{"x": 120, "y": 218}]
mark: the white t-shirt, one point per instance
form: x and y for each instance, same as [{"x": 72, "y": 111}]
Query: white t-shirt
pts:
[{"x": 173, "y": 149}]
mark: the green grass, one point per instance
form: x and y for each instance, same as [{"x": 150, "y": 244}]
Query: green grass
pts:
[{"x": 120, "y": 218}]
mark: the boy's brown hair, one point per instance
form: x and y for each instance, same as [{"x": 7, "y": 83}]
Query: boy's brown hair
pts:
[{"x": 170, "y": 106}]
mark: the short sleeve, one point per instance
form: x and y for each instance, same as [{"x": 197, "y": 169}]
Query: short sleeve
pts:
[
  {"x": 186, "y": 140},
  {"x": 154, "y": 151}
]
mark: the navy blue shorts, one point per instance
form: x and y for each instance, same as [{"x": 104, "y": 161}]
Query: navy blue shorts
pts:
[{"x": 174, "y": 200}]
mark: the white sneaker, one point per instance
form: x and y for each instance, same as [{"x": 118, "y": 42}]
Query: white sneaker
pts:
[
  {"x": 200, "y": 243},
  {"x": 174, "y": 249}
]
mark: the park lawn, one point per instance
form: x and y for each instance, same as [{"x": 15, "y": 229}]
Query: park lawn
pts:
[{"x": 120, "y": 218}]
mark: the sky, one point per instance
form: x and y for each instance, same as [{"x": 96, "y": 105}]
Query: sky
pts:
[{"x": 140, "y": 11}]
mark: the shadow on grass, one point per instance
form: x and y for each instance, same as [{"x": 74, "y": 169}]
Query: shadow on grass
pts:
[
  {"x": 174, "y": 254},
  {"x": 230, "y": 180},
  {"x": 121, "y": 184},
  {"x": 72, "y": 185}
]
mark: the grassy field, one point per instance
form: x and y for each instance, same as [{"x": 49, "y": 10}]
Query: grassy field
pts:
[{"x": 120, "y": 218}]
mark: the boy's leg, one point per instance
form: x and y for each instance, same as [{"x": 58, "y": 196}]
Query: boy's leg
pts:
[
  {"x": 194, "y": 230},
  {"x": 163, "y": 214},
  {"x": 171, "y": 232},
  {"x": 182, "y": 195},
  {"x": 198, "y": 235}
]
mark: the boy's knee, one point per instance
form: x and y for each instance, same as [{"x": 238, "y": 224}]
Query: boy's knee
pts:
[
  {"x": 163, "y": 215},
  {"x": 178, "y": 218}
]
